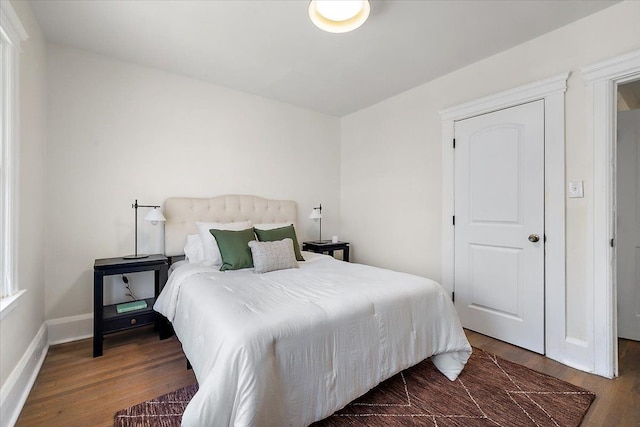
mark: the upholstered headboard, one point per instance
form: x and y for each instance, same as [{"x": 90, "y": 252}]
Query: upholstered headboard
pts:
[{"x": 183, "y": 212}]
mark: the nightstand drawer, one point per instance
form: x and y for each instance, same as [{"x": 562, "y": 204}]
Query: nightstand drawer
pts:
[{"x": 129, "y": 320}]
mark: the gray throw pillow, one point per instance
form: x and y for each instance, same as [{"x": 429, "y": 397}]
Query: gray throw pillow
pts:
[
  {"x": 271, "y": 256},
  {"x": 279, "y": 234}
]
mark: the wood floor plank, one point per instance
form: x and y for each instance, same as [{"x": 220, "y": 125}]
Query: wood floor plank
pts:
[{"x": 75, "y": 389}]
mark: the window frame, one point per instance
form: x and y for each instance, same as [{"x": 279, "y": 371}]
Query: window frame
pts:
[{"x": 12, "y": 33}]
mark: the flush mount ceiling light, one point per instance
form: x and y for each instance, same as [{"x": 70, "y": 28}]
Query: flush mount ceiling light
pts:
[{"x": 339, "y": 16}]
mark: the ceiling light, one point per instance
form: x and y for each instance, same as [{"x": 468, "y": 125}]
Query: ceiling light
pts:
[{"x": 339, "y": 16}]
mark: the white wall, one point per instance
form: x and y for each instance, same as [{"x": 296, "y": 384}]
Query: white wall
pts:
[
  {"x": 391, "y": 152},
  {"x": 20, "y": 326},
  {"x": 119, "y": 131}
]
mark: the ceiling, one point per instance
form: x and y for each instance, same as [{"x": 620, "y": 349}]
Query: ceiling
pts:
[{"x": 270, "y": 48}]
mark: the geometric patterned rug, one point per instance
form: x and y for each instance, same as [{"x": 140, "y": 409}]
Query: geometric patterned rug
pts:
[
  {"x": 163, "y": 411},
  {"x": 490, "y": 391}
]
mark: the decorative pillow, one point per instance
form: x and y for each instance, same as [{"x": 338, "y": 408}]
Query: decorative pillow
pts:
[
  {"x": 193, "y": 249},
  {"x": 209, "y": 246},
  {"x": 279, "y": 234},
  {"x": 271, "y": 256},
  {"x": 234, "y": 248}
]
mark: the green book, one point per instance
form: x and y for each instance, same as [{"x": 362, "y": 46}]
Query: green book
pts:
[{"x": 131, "y": 306}]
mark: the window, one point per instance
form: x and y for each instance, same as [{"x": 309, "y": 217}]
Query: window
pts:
[{"x": 11, "y": 34}]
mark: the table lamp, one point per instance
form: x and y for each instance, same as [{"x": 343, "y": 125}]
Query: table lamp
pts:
[
  {"x": 316, "y": 213},
  {"x": 154, "y": 216}
]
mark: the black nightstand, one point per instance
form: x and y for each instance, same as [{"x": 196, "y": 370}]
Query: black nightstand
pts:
[
  {"x": 106, "y": 318},
  {"x": 327, "y": 246}
]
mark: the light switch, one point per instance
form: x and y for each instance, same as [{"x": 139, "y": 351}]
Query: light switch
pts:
[{"x": 576, "y": 189}]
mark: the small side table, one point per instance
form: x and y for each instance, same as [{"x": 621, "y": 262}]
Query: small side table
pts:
[
  {"x": 106, "y": 318},
  {"x": 327, "y": 246}
]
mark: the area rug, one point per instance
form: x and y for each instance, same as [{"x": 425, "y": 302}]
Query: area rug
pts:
[{"x": 490, "y": 392}]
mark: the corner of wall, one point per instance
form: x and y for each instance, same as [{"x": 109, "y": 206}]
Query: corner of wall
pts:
[{"x": 16, "y": 388}]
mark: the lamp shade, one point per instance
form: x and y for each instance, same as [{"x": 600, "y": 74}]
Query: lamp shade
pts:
[
  {"x": 315, "y": 214},
  {"x": 154, "y": 216}
]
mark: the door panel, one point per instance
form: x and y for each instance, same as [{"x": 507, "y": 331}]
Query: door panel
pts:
[
  {"x": 628, "y": 224},
  {"x": 493, "y": 271},
  {"x": 499, "y": 203},
  {"x": 494, "y": 174}
]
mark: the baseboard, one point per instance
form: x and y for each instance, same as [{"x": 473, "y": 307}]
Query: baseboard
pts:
[
  {"x": 16, "y": 388},
  {"x": 72, "y": 328}
]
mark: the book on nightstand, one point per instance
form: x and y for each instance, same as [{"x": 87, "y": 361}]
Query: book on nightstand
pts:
[{"x": 131, "y": 306}]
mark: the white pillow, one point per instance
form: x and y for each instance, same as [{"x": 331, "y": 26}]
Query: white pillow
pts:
[
  {"x": 271, "y": 256},
  {"x": 193, "y": 249},
  {"x": 272, "y": 225},
  {"x": 209, "y": 245}
]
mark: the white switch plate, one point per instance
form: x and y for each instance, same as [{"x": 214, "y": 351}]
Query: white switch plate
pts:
[{"x": 576, "y": 189}]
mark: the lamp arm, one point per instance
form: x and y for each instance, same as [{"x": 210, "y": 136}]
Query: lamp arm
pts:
[{"x": 136, "y": 206}]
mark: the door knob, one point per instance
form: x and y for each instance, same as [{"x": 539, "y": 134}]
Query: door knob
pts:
[{"x": 534, "y": 238}]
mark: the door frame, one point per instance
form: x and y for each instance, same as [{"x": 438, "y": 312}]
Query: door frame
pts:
[
  {"x": 552, "y": 91},
  {"x": 602, "y": 80}
]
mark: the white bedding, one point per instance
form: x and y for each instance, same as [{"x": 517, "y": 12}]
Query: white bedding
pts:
[{"x": 291, "y": 347}]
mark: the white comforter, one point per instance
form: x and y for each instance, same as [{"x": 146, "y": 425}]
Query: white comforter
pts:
[{"x": 291, "y": 347}]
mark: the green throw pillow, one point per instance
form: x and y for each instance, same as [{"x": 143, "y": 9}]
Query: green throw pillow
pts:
[
  {"x": 279, "y": 234},
  {"x": 234, "y": 248}
]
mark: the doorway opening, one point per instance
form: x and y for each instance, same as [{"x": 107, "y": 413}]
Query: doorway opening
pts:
[{"x": 627, "y": 213}]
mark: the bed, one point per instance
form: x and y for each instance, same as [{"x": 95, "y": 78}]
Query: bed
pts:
[{"x": 292, "y": 346}]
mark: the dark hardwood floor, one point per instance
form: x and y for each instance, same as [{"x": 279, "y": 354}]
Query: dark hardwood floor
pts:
[{"x": 74, "y": 389}]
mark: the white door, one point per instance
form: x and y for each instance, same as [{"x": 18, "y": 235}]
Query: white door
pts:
[
  {"x": 628, "y": 224},
  {"x": 499, "y": 224}
]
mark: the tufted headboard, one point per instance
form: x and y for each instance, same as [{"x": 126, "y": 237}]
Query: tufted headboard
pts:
[{"x": 183, "y": 212}]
